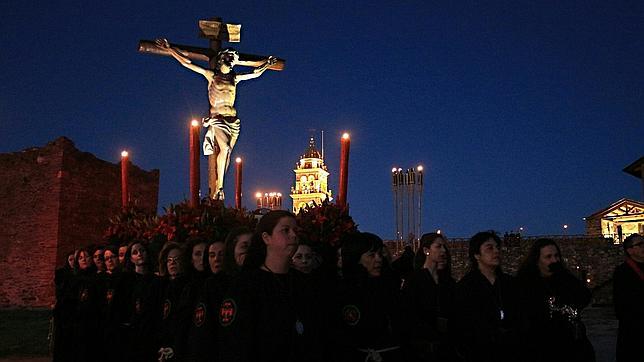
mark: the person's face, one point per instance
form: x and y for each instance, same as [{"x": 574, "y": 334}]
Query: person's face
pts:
[
  {"x": 70, "y": 260},
  {"x": 197, "y": 256},
  {"x": 83, "y": 260},
  {"x": 372, "y": 261},
  {"x": 437, "y": 253},
  {"x": 547, "y": 255},
  {"x": 489, "y": 255},
  {"x": 98, "y": 260},
  {"x": 122, "y": 251},
  {"x": 303, "y": 259},
  {"x": 138, "y": 255},
  {"x": 216, "y": 257},
  {"x": 636, "y": 251},
  {"x": 111, "y": 260},
  {"x": 241, "y": 248},
  {"x": 283, "y": 240},
  {"x": 173, "y": 263}
]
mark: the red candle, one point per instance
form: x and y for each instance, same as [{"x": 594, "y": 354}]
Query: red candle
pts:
[
  {"x": 238, "y": 183},
  {"x": 258, "y": 196},
  {"x": 195, "y": 177},
  {"x": 344, "y": 169},
  {"x": 124, "y": 166}
]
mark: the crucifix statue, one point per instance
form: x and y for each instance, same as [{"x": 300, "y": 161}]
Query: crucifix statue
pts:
[{"x": 222, "y": 122}]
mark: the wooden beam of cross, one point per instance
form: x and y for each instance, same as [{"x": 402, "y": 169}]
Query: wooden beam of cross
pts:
[
  {"x": 215, "y": 31},
  {"x": 222, "y": 114}
]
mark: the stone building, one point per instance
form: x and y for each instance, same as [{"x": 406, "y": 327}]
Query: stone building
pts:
[
  {"x": 311, "y": 179},
  {"x": 617, "y": 221},
  {"x": 56, "y": 199}
]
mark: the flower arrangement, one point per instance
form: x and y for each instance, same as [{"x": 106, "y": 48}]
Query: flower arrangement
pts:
[
  {"x": 326, "y": 223},
  {"x": 211, "y": 220}
]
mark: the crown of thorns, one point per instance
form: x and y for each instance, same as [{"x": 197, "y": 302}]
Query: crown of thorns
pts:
[{"x": 228, "y": 54}]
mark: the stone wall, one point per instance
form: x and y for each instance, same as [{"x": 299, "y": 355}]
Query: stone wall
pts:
[{"x": 55, "y": 199}]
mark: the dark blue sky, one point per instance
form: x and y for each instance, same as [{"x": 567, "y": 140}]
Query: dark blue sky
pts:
[{"x": 523, "y": 112}]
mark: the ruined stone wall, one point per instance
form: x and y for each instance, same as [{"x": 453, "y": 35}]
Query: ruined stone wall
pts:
[
  {"x": 55, "y": 199},
  {"x": 29, "y": 190}
]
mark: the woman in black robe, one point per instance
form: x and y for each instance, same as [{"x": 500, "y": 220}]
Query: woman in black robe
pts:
[
  {"x": 552, "y": 301},
  {"x": 486, "y": 315},
  {"x": 427, "y": 299},
  {"x": 268, "y": 313}
]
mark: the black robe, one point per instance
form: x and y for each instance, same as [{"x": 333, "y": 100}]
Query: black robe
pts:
[
  {"x": 628, "y": 297},
  {"x": 426, "y": 309},
  {"x": 141, "y": 313},
  {"x": 367, "y": 315},
  {"x": 486, "y": 318},
  {"x": 269, "y": 317},
  {"x": 551, "y": 336}
]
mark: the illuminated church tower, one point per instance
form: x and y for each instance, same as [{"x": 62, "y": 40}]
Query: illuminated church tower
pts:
[{"x": 311, "y": 178}]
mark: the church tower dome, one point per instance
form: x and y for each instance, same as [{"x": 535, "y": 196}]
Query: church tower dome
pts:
[{"x": 311, "y": 179}]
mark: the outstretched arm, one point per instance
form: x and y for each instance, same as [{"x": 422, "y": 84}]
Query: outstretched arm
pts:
[
  {"x": 182, "y": 59},
  {"x": 258, "y": 71}
]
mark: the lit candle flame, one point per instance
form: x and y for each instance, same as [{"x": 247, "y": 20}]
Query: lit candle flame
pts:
[
  {"x": 345, "y": 136},
  {"x": 194, "y": 123},
  {"x": 124, "y": 153},
  {"x": 238, "y": 160}
]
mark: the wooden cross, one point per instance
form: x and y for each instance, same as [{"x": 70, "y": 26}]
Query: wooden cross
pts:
[{"x": 216, "y": 32}]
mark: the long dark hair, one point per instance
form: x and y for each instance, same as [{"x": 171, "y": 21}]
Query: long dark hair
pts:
[
  {"x": 530, "y": 265},
  {"x": 353, "y": 246},
  {"x": 129, "y": 266},
  {"x": 426, "y": 241},
  {"x": 475, "y": 246},
  {"x": 230, "y": 264},
  {"x": 257, "y": 249}
]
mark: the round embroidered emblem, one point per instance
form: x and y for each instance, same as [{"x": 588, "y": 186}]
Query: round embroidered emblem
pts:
[
  {"x": 109, "y": 295},
  {"x": 167, "y": 305},
  {"x": 351, "y": 314},
  {"x": 227, "y": 312},
  {"x": 200, "y": 315},
  {"x": 137, "y": 306}
]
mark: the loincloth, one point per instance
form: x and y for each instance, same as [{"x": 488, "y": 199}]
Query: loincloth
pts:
[{"x": 231, "y": 126}]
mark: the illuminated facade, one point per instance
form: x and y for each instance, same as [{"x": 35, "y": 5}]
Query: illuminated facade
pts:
[
  {"x": 617, "y": 221},
  {"x": 311, "y": 179}
]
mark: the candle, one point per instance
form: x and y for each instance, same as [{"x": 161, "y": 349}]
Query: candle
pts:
[
  {"x": 195, "y": 177},
  {"x": 344, "y": 169},
  {"x": 124, "y": 166},
  {"x": 238, "y": 183},
  {"x": 258, "y": 196}
]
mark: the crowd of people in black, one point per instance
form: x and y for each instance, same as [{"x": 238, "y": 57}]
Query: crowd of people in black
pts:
[{"x": 264, "y": 295}]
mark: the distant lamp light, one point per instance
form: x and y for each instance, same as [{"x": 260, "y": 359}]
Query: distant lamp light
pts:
[
  {"x": 194, "y": 123},
  {"x": 565, "y": 226},
  {"x": 438, "y": 231},
  {"x": 394, "y": 170},
  {"x": 124, "y": 153},
  {"x": 588, "y": 280},
  {"x": 419, "y": 168}
]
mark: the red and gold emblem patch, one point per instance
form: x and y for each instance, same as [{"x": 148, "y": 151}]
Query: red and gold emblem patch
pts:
[
  {"x": 109, "y": 295},
  {"x": 200, "y": 315},
  {"x": 227, "y": 312},
  {"x": 167, "y": 305},
  {"x": 351, "y": 314}
]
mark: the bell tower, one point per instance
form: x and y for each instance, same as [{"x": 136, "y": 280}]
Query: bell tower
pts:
[{"x": 311, "y": 178}]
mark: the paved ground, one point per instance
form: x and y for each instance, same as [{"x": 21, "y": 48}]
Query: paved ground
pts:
[{"x": 600, "y": 323}]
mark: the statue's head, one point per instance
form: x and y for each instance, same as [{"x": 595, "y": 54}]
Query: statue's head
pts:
[{"x": 227, "y": 58}]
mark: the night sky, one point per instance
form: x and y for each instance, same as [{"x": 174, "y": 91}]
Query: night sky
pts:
[{"x": 524, "y": 113}]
